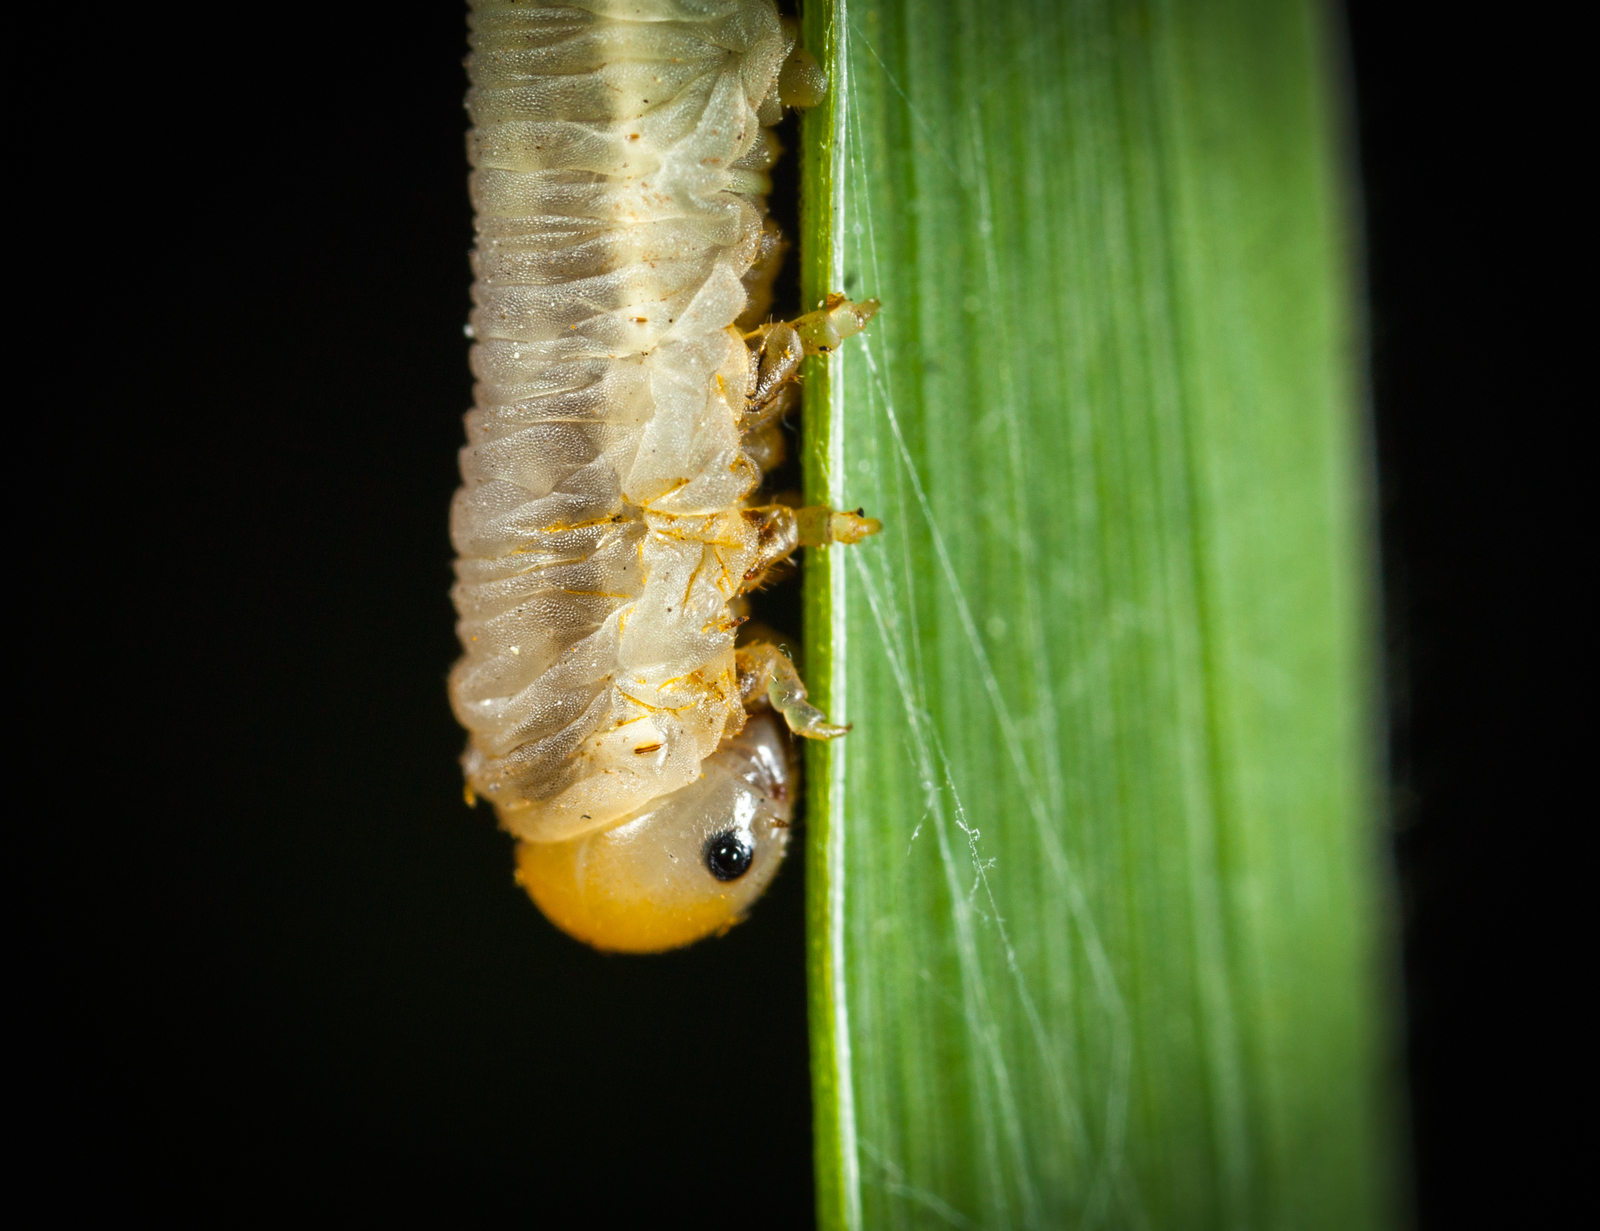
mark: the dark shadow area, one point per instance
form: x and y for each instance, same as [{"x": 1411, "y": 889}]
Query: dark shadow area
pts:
[
  {"x": 324, "y": 990},
  {"x": 1466, "y": 232}
]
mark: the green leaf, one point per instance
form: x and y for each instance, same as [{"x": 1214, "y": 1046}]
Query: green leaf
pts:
[{"x": 1099, "y": 933}]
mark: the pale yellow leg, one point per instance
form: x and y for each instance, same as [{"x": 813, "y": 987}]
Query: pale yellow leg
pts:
[
  {"x": 818, "y": 333},
  {"x": 819, "y": 525},
  {"x": 763, "y": 669}
]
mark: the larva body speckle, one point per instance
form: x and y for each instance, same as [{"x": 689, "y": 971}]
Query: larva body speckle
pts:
[{"x": 605, "y": 526}]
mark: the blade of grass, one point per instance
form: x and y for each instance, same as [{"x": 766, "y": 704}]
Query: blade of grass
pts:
[{"x": 1096, "y": 917}]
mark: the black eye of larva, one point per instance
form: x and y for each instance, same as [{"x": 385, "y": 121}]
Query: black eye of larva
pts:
[{"x": 728, "y": 855}]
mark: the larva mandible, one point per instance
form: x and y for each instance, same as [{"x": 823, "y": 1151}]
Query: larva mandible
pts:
[{"x": 626, "y": 408}]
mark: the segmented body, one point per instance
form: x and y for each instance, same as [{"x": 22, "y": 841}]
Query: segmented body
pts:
[{"x": 621, "y": 419}]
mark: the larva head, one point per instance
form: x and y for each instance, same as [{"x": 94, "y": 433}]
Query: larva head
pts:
[{"x": 688, "y": 865}]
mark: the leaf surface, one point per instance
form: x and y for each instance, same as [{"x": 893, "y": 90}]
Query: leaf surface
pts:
[{"x": 1097, "y": 914}]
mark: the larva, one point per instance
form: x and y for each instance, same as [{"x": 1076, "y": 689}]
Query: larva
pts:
[{"x": 625, "y": 411}]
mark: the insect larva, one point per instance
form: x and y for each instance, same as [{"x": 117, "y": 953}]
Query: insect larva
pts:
[{"x": 625, "y": 413}]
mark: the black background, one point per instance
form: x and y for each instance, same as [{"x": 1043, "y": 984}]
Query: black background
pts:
[
  {"x": 1470, "y": 210},
  {"x": 291, "y": 968}
]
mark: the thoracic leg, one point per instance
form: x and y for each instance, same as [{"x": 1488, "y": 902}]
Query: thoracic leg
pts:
[
  {"x": 817, "y": 525},
  {"x": 780, "y": 531},
  {"x": 785, "y": 343},
  {"x": 763, "y": 670},
  {"x": 837, "y": 319}
]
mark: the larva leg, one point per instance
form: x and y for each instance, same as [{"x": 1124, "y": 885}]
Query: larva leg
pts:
[
  {"x": 818, "y": 525},
  {"x": 822, "y": 331},
  {"x": 785, "y": 343},
  {"x": 765, "y": 671},
  {"x": 780, "y": 531}
]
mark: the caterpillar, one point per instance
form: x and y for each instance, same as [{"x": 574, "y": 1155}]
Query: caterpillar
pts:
[{"x": 626, "y": 409}]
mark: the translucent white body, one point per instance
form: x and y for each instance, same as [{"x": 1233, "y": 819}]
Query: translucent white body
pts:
[{"x": 602, "y": 528}]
